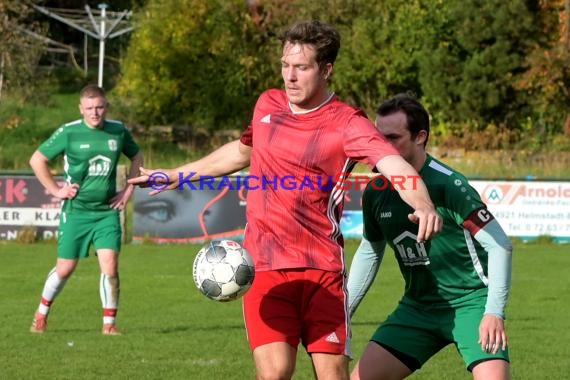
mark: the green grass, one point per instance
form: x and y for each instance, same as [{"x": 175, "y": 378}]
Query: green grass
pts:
[
  {"x": 24, "y": 126},
  {"x": 537, "y": 316},
  {"x": 505, "y": 164},
  {"x": 171, "y": 331}
]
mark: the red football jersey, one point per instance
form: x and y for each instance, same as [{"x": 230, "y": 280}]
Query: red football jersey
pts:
[{"x": 293, "y": 207}]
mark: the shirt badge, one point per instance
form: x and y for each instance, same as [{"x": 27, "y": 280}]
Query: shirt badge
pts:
[{"x": 112, "y": 145}]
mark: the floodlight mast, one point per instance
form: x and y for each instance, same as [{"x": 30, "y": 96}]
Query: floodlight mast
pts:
[
  {"x": 103, "y": 8},
  {"x": 101, "y": 32}
]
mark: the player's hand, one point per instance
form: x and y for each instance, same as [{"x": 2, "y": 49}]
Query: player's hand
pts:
[
  {"x": 120, "y": 200},
  {"x": 158, "y": 180},
  {"x": 492, "y": 335},
  {"x": 429, "y": 221},
  {"x": 67, "y": 191}
]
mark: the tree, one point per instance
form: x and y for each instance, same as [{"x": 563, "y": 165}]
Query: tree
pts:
[
  {"x": 379, "y": 39},
  {"x": 182, "y": 55},
  {"x": 469, "y": 69},
  {"x": 19, "y": 52},
  {"x": 474, "y": 63},
  {"x": 547, "y": 80},
  {"x": 383, "y": 42},
  {"x": 194, "y": 62}
]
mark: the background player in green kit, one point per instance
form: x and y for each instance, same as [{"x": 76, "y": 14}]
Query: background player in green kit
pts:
[
  {"x": 91, "y": 148},
  {"x": 456, "y": 284}
]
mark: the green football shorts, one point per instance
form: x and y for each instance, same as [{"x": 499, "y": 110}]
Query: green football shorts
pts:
[
  {"x": 79, "y": 229},
  {"x": 420, "y": 332}
]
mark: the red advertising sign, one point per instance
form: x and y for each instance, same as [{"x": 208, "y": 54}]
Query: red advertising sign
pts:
[{"x": 25, "y": 202}]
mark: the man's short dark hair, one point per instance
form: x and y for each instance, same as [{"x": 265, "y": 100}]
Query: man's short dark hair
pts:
[
  {"x": 416, "y": 115},
  {"x": 324, "y": 37}
]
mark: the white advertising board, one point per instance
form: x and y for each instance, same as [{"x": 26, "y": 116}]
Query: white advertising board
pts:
[{"x": 528, "y": 209}]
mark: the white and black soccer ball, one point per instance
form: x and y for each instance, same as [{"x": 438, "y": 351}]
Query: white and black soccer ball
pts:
[{"x": 223, "y": 270}]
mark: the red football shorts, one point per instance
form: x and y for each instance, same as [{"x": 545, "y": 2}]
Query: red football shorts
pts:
[{"x": 307, "y": 306}]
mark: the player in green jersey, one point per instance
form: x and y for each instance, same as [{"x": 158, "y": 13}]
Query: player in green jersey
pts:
[
  {"x": 91, "y": 148},
  {"x": 456, "y": 284}
]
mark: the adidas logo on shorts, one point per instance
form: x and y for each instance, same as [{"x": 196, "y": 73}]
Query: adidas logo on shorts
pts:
[{"x": 332, "y": 338}]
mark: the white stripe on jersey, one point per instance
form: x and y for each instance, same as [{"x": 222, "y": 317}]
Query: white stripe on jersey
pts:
[
  {"x": 474, "y": 258},
  {"x": 74, "y": 122},
  {"x": 440, "y": 168},
  {"x": 337, "y": 197}
]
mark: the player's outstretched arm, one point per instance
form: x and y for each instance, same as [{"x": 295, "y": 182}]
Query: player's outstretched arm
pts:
[
  {"x": 413, "y": 191},
  {"x": 227, "y": 159}
]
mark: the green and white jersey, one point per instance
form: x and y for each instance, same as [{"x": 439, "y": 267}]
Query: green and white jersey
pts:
[
  {"x": 447, "y": 268},
  {"x": 90, "y": 157}
]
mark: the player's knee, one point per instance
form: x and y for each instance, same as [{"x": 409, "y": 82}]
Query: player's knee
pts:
[
  {"x": 278, "y": 375},
  {"x": 275, "y": 370},
  {"x": 65, "y": 271}
]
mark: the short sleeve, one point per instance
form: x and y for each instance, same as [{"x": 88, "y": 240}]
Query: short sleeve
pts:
[
  {"x": 55, "y": 144},
  {"x": 246, "y": 137},
  {"x": 364, "y": 143},
  {"x": 461, "y": 198},
  {"x": 130, "y": 147}
]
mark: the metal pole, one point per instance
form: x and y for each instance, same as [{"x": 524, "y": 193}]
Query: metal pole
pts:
[
  {"x": 567, "y": 9},
  {"x": 100, "y": 33},
  {"x": 85, "y": 55},
  {"x": 103, "y": 8}
]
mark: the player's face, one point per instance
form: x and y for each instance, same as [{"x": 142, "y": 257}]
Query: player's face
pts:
[
  {"x": 93, "y": 111},
  {"x": 395, "y": 128},
  {"x": 305, "y": 83}
]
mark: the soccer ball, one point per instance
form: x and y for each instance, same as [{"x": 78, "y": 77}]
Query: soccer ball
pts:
[{"x": 223, "y": 270}]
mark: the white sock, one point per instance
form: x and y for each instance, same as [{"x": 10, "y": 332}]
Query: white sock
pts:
[
  {"x": 109, "y": 290},
  {"x": 53, "y": 285}
]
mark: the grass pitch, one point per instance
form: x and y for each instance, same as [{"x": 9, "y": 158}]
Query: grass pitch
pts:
[{"x": 171, "y": 331}]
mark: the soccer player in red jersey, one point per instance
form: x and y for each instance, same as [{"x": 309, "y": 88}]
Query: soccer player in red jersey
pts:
[{"x": 305, "y": 132}]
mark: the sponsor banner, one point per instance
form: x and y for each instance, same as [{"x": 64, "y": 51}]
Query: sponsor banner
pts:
[
  {"x": 528, "y": 209},
  {"x": 524, "y": 209},
  {"x": 24, "y": 202},
  {"x": 29, "y": 216}
]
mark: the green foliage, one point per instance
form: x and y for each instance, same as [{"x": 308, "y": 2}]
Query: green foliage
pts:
[
  {"x": 24, "y": 126},
  {"x": 506, "y": 164},
  {"x": 547, "y": 80},
  {"x": 19, "y": 52},
  {"x": 203, "y": 64},
  {"x": 191, "y": 62},
  {"x": 167, "y": 79},
  {"x": 494, "y": 75},
  {"x": 468, "y": 67},
  {"x": 377, "y": 57}
]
